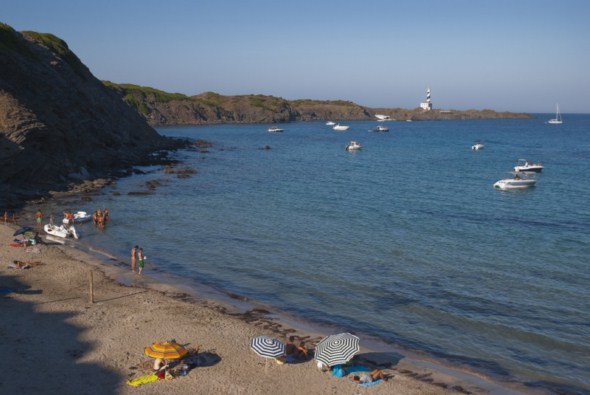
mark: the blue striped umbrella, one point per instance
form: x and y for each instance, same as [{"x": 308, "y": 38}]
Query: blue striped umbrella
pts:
[
  {"x": 337, "y": 349},
  {"x": 267, "y": 347}
]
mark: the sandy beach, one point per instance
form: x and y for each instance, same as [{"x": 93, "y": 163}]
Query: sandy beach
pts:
[{"x": 56, "y": 340}]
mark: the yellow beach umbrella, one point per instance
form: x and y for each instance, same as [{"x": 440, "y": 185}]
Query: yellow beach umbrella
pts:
[{"x": 166, "y": 350}]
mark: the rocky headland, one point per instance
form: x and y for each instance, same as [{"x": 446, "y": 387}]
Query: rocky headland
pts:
[
  {"x": 59, "y": 125},
  {"x": 161, "y": 108}
]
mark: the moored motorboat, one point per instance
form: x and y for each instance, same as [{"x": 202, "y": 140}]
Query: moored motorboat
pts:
[
  {"x": 477, "y": 146},
  {"x": 330, "y": 123},
  {"x": 79, "y": 217},
  {"x": 526, "y": 166},
  {"x": 353, "y": 146},
  {"x": 380, "y": 128},
  {"x": 61, "y": 231},
  {"x": 515, "y": 183},
  {"x": 275, "y": 129},
  {"x": 340, "y": 127}
]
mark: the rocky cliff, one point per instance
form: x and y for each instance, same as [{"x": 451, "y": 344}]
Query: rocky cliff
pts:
[
  {"x": 161, "y": 108},
  {"x": 58, "y": 123}
]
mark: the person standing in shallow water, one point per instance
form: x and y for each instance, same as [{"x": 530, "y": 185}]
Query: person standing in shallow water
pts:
[
  {"x": 133, "y": 257},
  {"x": 140, "y": 260},
  {"x": 39, "y": 217}
]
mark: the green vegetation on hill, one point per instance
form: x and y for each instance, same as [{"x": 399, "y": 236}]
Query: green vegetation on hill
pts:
[
  {"x": 10, "y": 41},
  {"x": 138, "y": 96},
  {"x": 60, "y": 48}
]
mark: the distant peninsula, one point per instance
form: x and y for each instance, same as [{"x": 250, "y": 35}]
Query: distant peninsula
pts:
[{"x": 161, "y": 108}]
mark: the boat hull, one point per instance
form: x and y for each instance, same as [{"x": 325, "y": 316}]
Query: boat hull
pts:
[
  {"x": 511, "y": 183},
  {"x": 530, "y": 169},
  {"x": 79, "y": 217},
  {"x": 61, "y": 231}
]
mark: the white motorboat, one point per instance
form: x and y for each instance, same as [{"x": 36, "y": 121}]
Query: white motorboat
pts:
[
  {"x": 381, "y": 117},
  {"x": 340, "y": 128},
  {"x": 353, "y": 146},
  {"x": 274, "y": 129},
  {"x": 61, "y": 231},
  {"x": 515, "y": 183},
  {"x": 557, "y": 120},
  {"x": 477, "y": 146},
  {"x": 79, "y": 217},
  {"x": 380, "y": 128},
  {"x": 330, "y": 123},
  {"x": 526, "y": 166}
]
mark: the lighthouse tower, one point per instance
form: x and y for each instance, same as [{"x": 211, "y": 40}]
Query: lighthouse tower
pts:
[{"x": 426, "y": 105}]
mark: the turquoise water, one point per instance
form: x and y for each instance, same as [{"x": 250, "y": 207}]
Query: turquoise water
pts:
[{"x": 405, "y": 240}]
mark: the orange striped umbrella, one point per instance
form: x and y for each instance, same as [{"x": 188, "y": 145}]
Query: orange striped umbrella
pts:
[{"x": 165, "y": 350}]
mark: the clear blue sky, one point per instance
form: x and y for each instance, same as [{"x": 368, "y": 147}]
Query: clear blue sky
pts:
[{"x": 506, "y": 55}]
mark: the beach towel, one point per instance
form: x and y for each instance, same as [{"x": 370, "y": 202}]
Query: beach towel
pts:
[
  {"x": 341, "y": 371},
  {"x": 148, "y": 378},
  {"x": 370, "y": 384}
]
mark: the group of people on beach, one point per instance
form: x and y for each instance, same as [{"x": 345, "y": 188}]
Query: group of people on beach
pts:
[{"x": 137, "y": 259}]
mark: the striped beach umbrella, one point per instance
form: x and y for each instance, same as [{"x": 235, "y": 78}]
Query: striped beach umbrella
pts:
[
  {"x": 267, "y": 347},
  {"x": 166, "y": 350},
  {"x": 337, "y": 349}
]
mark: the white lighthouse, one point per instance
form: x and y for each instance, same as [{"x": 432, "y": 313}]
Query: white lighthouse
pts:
[{"x": 426, "y": 105}]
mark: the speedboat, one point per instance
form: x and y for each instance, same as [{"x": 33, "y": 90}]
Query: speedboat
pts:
[
  {"x": 61, "y": 231},
  {"x": 515, "y": 183},
  {"x": 477, "y": 146},
  {"x": 330, "y": 123},
  {"x": 380, "y": 128},
  {"x": 353, "y": 146},
  {"x": 526, "y": 166},
  {"x": 79, "y": 217},
  {"x": 274, "y": 129},
  {"x": 340, "y": 127}
]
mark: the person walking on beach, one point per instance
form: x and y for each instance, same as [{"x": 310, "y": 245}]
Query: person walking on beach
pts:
[
  {"x": 133, "y": 257},
  {"x": 140, "y": 260}
]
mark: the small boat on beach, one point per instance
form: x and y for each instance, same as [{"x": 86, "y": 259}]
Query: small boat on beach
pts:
[
  {"x": 61, "y": 231},
  {"x": 79, "y": 217},
  {"x": 515, "y": 183},
  {"x": 340, "y": 128},
  {"x": 526, "y": 166},
  {"x": 274, "y": 129},
  {"x": 353, "y": 146}
]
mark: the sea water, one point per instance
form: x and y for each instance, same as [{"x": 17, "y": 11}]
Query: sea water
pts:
[{"x": 405, "y": 240}]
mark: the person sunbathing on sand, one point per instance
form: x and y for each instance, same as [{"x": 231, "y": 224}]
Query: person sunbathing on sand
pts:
[{"x": 369, "y": 377}]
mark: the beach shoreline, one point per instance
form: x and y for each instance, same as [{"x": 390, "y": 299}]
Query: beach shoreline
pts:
[{"x": 104, "y": 340}]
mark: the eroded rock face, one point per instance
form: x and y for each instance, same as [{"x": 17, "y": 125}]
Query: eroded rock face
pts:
[{"x": 58, "y": 123}]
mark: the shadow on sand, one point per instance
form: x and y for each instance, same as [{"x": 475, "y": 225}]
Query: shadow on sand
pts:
[{"x": 42, "y": 351}]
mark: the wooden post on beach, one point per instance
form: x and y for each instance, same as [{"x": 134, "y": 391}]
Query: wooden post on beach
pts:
[{"x": 91, "y": 290}]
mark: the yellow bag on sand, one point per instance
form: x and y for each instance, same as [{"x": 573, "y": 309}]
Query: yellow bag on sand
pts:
[{"x": 149, "y": 378}]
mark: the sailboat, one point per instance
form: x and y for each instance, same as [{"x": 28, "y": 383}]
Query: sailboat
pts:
[{"x": 557, "y": 120}]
